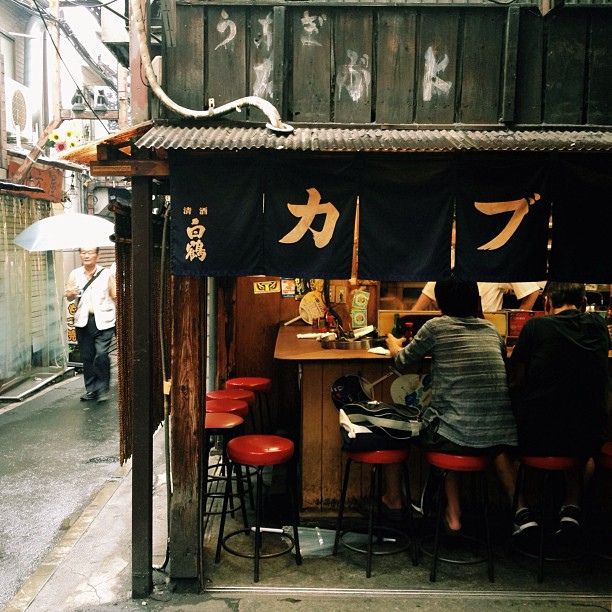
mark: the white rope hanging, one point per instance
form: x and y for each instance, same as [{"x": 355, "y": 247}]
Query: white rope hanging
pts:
[{"x": 275, "y": 122}]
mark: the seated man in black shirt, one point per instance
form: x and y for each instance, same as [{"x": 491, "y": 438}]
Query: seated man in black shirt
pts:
[{"x": 559, "y": 385}]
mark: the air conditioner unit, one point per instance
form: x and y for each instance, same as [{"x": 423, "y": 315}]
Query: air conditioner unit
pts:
[{"x": 18, "y": 110}]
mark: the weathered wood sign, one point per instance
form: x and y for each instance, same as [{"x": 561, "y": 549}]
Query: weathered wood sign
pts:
[{"x": 396, "y": 65}]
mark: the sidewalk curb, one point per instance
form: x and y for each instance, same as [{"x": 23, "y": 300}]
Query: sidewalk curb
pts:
[
  {"x": 34, "y": 584},
  {"x": 9, "y": 406}
]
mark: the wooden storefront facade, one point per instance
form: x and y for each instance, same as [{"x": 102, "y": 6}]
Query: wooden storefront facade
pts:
[
  {"x": 472, "y": 63},
  {"x": 410, "y": 66}
]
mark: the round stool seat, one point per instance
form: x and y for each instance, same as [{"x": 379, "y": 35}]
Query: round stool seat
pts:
[
  {"x": 380, "y": 456},
  {"x": 458, "y": 463},
  {"x": 227, "y": 405},
  {"x": 250, "y": 383},
  {"x": 551, "y": 463},
  {"x": 260, "y": 450},
  {"x": 605, "y": 456},
  {"x": 222, "y": 420},
  {"x": 234, "y": 394}
]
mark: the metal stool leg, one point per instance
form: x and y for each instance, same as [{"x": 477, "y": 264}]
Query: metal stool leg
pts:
[
  {"x": 225, "y": 469},
  {"x": 223, "y": 514},
  {"x": 373, "y": 501},
  {"x": 434, "y": 559},
  {"x": 485, "y": 511},
  {"x": 296, "y": 515},
  {"x": 258, "y": 515},
  {"x": 411, "y": 530},
  {"x": 542, "y": 529},
  {"x": 347, "y": 473},
  {"x": 241, "y": 494}
]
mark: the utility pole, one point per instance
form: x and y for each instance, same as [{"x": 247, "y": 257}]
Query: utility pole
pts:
[
  {"x": 139, "y": 92},
  {"x": 56, "y": 83},
  {"x": 122, "y": 97}
]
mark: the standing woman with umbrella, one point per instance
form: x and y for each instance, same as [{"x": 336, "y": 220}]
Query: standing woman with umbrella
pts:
[{"x": 94, "y": 321}]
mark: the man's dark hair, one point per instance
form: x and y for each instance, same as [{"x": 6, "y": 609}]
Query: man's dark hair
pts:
[
  {"x": 457, "y": 298},
  {"x": 561, "y": 294}
]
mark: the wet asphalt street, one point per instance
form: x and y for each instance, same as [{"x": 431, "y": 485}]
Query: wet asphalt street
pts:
[{"x": 55, "y": 453}]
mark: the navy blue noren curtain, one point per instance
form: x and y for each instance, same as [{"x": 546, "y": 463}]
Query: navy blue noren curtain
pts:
[
  {"x": 502, "y": 210},
  {"x": 405, "y": 219},
  {"x": 309, "y": 217},
  {"x": 216, "y": 223},
  {"x": 582, "y": 219}
]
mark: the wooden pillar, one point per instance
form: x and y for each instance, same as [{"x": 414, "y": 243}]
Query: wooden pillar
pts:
[
  {"x": 142, "y": 456},
  {"x": 187, "y": 397},
  {"x": 139, "y": 92},
  {"x": 510, "y": 65}
]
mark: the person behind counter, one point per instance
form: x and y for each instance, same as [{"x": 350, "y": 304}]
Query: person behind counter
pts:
[
  {"x": 470, "y": 410},
  {"x": 94, "y": 321},
  {"x": 491, "y": 295},
  {"x": 559, "y": 384}
]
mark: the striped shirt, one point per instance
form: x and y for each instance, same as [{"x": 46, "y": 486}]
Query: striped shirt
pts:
[{"x": 470, "y": 389}]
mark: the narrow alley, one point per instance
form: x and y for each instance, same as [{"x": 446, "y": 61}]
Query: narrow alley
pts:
[{"x": 57, "y": 451}]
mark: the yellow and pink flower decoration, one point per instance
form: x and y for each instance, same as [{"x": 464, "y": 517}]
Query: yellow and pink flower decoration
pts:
[{"x": 65, "y": 139}]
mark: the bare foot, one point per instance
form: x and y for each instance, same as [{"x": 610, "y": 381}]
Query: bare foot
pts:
[{"x": 453, "y": 522}]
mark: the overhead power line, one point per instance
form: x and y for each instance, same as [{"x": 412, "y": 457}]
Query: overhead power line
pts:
[{"x": 65, "y": 66}]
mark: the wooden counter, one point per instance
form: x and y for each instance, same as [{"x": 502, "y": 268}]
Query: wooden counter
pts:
[
  {"x": 290, "y": 347},
  {"x": 320, "y": 443},
  {"x": 320, "y": 451}
]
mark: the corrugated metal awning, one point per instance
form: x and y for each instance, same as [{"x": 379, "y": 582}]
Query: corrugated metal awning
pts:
[
  {"x": 232, "y": 138},
  {"x": 7, "y": 185}
]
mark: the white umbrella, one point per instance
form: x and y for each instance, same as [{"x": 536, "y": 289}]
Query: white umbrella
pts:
[{"x": 66, "y": 231}]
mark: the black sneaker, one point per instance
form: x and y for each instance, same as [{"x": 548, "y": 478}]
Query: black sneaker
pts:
[
  {"x": 523, "y": 521},
  {"x": 89, "y": 396},
  {"x": 569, "y": 518}
]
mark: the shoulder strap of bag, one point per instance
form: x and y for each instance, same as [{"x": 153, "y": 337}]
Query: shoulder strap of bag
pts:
[{"x": 92, "y": 279}]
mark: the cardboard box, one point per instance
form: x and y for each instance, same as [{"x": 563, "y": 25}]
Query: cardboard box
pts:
[
  {"x": 500, "y": 320},
  {"x": 418, "y": 318}
]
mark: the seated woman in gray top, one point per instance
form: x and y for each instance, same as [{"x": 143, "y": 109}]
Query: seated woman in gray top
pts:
[{"x": 470, "y": 410}]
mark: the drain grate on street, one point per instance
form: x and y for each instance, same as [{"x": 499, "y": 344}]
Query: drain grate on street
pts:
[{"x": 103, "y": 459}]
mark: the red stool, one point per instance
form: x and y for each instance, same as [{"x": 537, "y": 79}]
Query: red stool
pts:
[
  {"x": 261, "y": 387},
  {"x": 234, "y": 394},
  {"x": 259, "y": 451},
  {"x": 476, "y": 464},
  {"x": 238, "y": 407},
  {"x": 376, "y": 460},
  {"x": 227, "y": 406},
  {"x": 221, "y": 425},
  {"x": 549, "y": 466}
]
